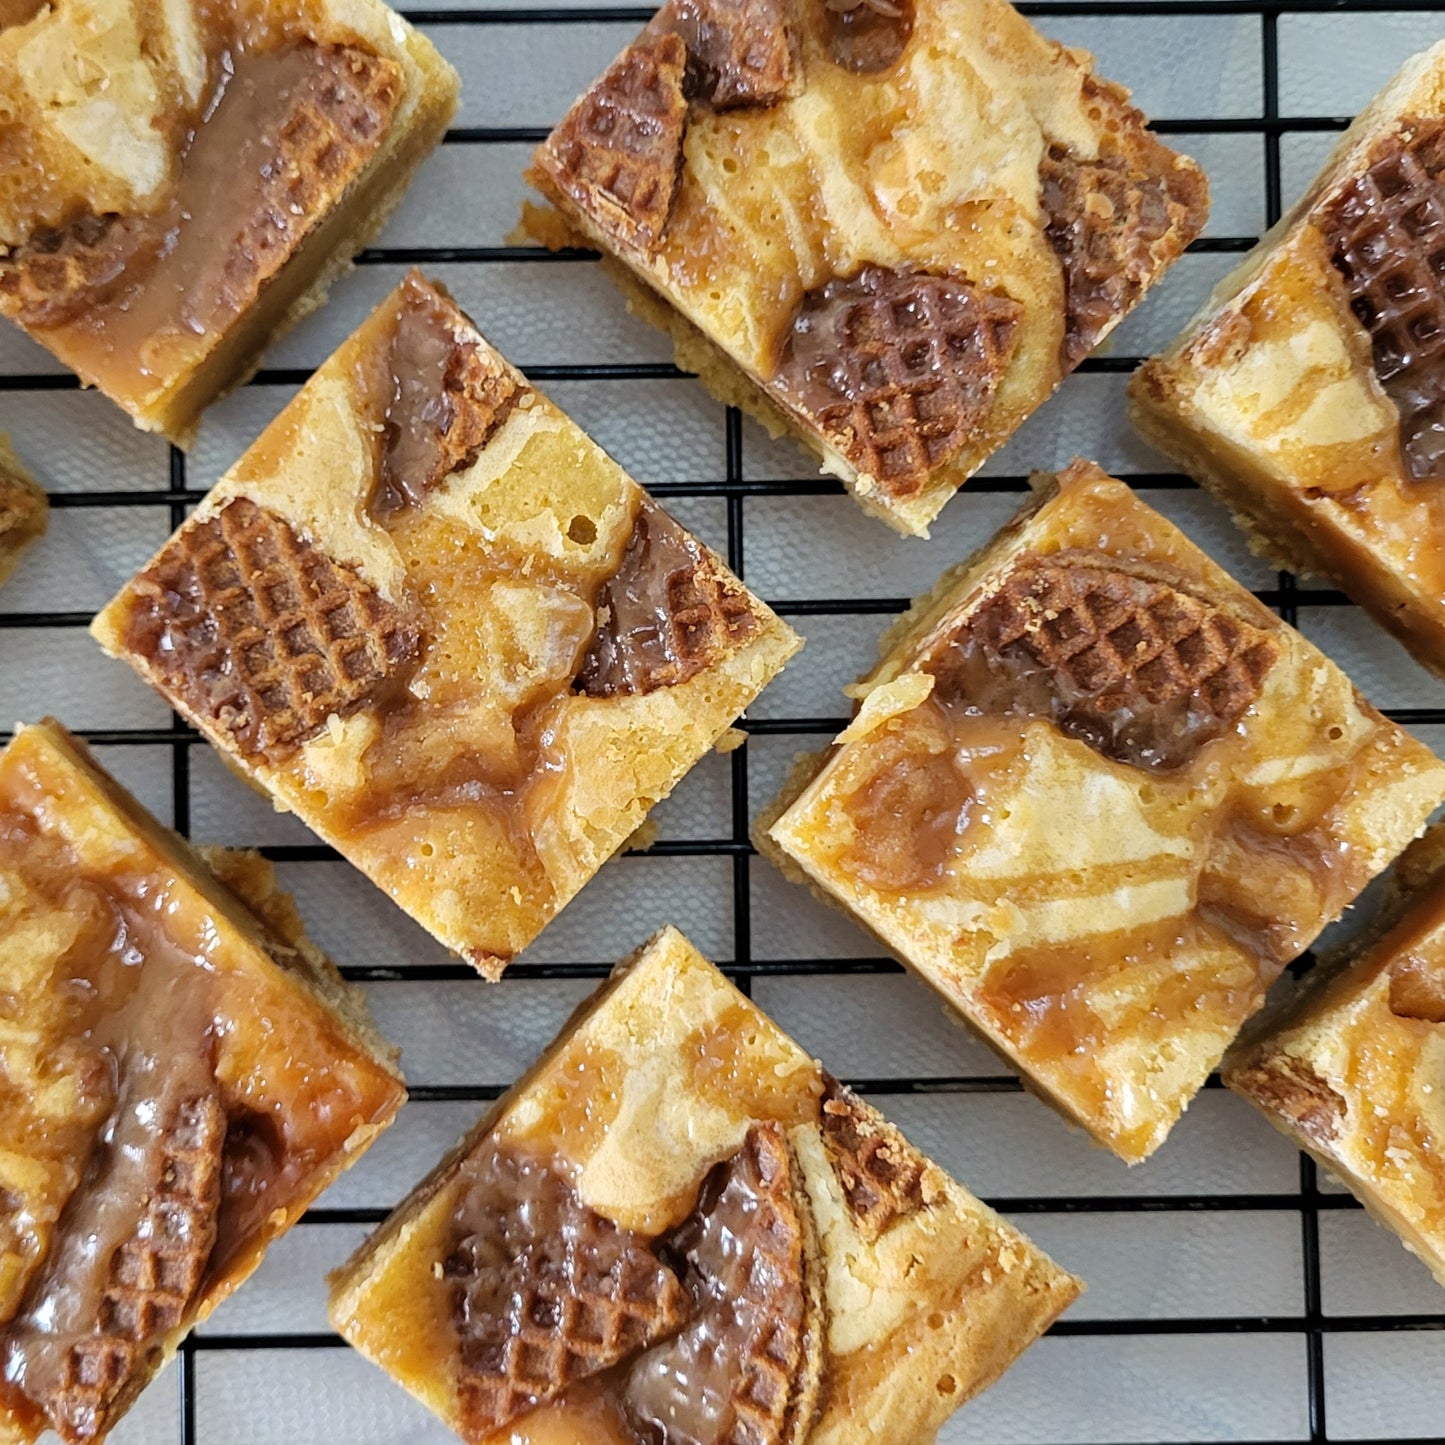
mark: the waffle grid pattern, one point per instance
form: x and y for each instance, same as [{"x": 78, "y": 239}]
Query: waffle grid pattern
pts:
[
  {"x": 1387, "y": 233},
  {"x": 742, "y": 490}
]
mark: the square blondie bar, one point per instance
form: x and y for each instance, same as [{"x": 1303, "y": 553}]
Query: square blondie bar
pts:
[
  {"x": 1098, "y": 795},
  {"x": 1354, "y": 1069},
  {"x": 1309, "y": 394},
  {"x": 24, "y": 509},
  {"x": 889, "y": 226},
  {"x": 433, "y": 619},
  {"x": 678, "y": 1226},
  {"x": 179, "y": 183},
  {"x": 181, "y": 1073}
]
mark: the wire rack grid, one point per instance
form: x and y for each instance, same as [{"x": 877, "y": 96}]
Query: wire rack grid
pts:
[{"x": 1235, "y": 1295}]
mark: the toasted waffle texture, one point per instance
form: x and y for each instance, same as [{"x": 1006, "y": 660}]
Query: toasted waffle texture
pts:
[
  {"x": 1307, "y": 394},
  {"x": 890, "y": 228},
  {"x": 690, "y": 1171},
  {"x": 181, "y": 182},
  {"x": 154, "y": 1275},
  {"x": 1099, "y": 796},
  {"x": 24, "y": 509},
  {"x": 262, "y": 634},
  {"x": 434, "y": 620},
  {"x": 183, "y": 1074},
  {"x": 546, "y": 1291},
  {"x": 1350, "y": 1069}
]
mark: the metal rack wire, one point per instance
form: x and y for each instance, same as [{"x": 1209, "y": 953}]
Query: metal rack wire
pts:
[{"x": 1309, "y": 1201}]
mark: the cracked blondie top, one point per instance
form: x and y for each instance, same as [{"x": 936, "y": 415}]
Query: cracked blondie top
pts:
[
  {"x": 1098, "y": 795},
  {"x": 434, "y": 620},
  {"x": 179, "y": 182},
  {"x": 678, "y": 1229},
  {"x": 891, "y": 226},
  {"x": 1309, "y": 394},
  {"x": 181, "y": 1073},
  {"x": 1354, "y": 1069}
]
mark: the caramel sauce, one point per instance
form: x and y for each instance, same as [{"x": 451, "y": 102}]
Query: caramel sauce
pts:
[
  {"x": 156, "y": 291},
  {"x": 738, "y": 1062},
  {"x": 1385, "y": 1066},
  {"x": 1045, "y": 998},
  {"x": 138, "y": 1027},
  {"x": 924, "y": 797},
  {"x": 577, "y": 1100}
]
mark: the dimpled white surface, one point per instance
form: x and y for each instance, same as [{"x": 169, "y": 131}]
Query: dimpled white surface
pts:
[{"x": 1195, "y": 1325}]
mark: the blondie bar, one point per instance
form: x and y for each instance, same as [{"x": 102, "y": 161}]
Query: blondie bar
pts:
[{"x": 1098, "y": 795}]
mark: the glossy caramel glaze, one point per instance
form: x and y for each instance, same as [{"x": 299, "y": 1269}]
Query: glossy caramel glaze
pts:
[{"x": 169, "y": 1098}]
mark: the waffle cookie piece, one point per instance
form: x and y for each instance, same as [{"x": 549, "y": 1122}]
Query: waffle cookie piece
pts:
[
  {"x": 889, "y": 226},
  {"x": 179, "y": 183},
  {"x": 181, "y": 1074},
  {"x": 1309, "y": 394},
  {"x": 1351, "y": 1070},
  {"x": 1098, "y": 796},
  {"x": 434, "y": 620},
  {"x": 23, "y": 508},
  {"x": 678, "y": 1228}
]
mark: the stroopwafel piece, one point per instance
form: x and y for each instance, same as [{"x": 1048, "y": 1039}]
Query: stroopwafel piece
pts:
[
  {"x": 155, "y": 1274},
  {"x": 637, "y": 1245},
  {"x": 740, "y": 52},
  {"x": 1386, "y": 232},
  {"x": 618, "y": 153},
  {"x": 545, "y": 1291},
  {"x": 746, "y": 1369},
  {"x": 253, "y": 629},
  {"x": 178, "y": 186},
  {"x": 1135, "y": 666},
  {"x": 1098, "y": 796},
  {"x": 443, "y": 397},
  {"x": 897, "y": 368},
  {"x": 669, "y": 612},
  {"x": 883, "y": 1177},
  {"x": 1116, "y": 223},
  {"x": 891, "y": 227}
]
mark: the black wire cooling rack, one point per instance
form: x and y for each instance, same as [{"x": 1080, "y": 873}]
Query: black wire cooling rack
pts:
[{"x": 1259, "y": 134}]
